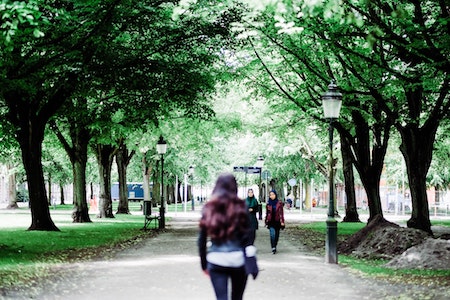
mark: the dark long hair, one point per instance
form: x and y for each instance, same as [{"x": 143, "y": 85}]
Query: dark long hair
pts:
[{"x": 225, "y": 214}]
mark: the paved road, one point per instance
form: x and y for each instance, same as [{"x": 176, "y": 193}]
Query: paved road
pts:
[{"x": 167, "y": 267}]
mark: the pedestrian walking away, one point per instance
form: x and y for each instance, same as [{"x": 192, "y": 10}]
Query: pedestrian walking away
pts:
[
  {"x": 252, "y": 205},
  {"x": 274, "y": 219},
  {"x": 224, "y": 234}
]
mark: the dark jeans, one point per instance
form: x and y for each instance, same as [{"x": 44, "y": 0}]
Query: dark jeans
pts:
[
  {"x": 274, "y": 236},
  {"x": 219, "y": 278},
  {"x": 252, "y": 236}
]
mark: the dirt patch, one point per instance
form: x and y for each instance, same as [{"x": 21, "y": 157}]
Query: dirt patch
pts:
[
  {"x": 430, "y": 254},
  {"x": 385, "y": 241},
  {"x": 406, "y": 248}
]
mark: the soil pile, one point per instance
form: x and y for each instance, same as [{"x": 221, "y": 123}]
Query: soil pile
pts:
[
  {"x": 406, "y": 248},
  {"x": 431, "y": 254},
  {"x": 381, "y": 239}
]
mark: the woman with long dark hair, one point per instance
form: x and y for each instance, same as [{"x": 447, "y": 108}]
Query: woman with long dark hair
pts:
[{"x": 225, "y": 223}]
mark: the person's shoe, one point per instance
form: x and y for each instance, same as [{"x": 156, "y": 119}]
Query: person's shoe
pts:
[{"x": 274, "y": 250}]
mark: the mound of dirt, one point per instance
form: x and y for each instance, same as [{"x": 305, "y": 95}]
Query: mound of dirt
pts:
[
  {"x": 388, "y": 242},
  {"x": 431, "y": 254},
  {"x": 382, "y": 239},
  {"x": 406, "y": 248}
]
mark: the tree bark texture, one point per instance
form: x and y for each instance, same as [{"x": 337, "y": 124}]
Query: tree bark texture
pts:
[
  {"x": 105, "y": 155},
  {"x": 351, "y": 212},
  {"x": 61, "y": 189},
  {"x": 416, "y": 147},
  {"x": 123, "y": 158},
  {"x": 367, "y": 148},
  {"x": 306, "y": 202},
  {"x": 80, "y": 140},
  {"x": 30, "y": 139},
  {"x": 78, "y": 154},
  {"x": 80, "y": 213}
]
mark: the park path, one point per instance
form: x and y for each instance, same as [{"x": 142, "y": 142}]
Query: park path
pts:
[{"x": 167, "y": 267}]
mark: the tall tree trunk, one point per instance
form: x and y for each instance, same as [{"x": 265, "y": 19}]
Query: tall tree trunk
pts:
[
  {"x": 49, "y": 190},
  {"x": 79, "y": 135},
  {"x": 30, "y": 138},
  {"x": 61, "y": 189},
  {"x": 91, "y": 190},
  {"x": 307, "y": 199},
  {"x": 179, "y": 191},
  {"x": 295, "y": 193},
  {"x": 367, "y": 148},
  {"x": 351, "y": 213},
  {"x": 12, "y": 191},
  {"x": 122, "y": 208},
  {"x": 417, "y": 147},
  {"x": 123, "y": 158},
  {"x": 105, "y": 155},
  {"x": 80, "y": 140},
  {"x": 80, "y": 213},
  {"x": 170, "y": 194}
]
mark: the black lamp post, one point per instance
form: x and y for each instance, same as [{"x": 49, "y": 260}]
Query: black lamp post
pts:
[
  {"x": 331, "y": 102},
  {"x": 191, "y": 174},
  {"x": 260, "y": 164},
  {"x": 161, "y": 147}
]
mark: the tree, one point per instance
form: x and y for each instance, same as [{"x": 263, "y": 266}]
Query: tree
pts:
[
  {"x": 75, "y": 121},
  {"x": 402, "y": 45},
  {"x": 297, "y": 63},
  {"x": 408, "y": 50},
  {"x": 123, "y": 158},
  {"x": 40, "y": 75},
  {"x": 178, "y": 66}
]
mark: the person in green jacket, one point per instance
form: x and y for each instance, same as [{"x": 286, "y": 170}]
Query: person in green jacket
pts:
[{"x": 252, "y": 205}]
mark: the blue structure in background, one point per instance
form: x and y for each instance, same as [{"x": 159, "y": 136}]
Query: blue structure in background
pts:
[{"x": 135, "y": 191}]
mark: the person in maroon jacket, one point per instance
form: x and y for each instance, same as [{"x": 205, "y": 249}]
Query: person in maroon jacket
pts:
[{"x": 274, "y": 219}]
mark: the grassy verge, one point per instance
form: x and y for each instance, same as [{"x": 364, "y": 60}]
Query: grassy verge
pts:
[
  {"x": 25, "y": 255},
  {"x": 313, "y": 236}
]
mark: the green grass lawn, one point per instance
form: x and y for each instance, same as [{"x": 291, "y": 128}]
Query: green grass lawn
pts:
[{"x": 25, "y": 254}]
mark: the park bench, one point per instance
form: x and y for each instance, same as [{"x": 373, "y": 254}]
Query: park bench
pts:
[{"x": 149, "y": 217}]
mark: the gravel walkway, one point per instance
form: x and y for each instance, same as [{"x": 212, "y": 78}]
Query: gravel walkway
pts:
[{"x": 167, "y": 267}]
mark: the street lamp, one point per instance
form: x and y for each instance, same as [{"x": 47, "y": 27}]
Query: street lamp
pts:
[
  {"x": 260, "y": 164},
  {"x": 191, "y": 172},
  {"x": 331, "y": 102},
  {"x": 161, "y": 148}
]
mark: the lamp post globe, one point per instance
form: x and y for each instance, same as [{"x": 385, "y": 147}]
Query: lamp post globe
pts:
[
  {"x": 331, "y": 103},
  {"x": 161, "y": 148}
]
